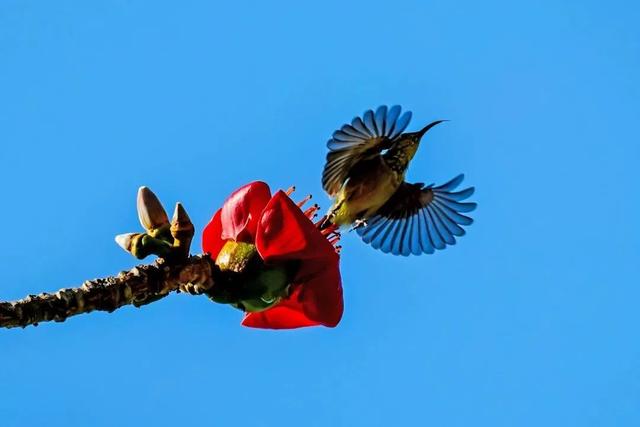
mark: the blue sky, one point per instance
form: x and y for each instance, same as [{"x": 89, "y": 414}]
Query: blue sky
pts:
[{"x": 532, "y": 319}]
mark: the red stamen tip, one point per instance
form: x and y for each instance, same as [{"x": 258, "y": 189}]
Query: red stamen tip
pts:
[{"x": 290, "y": 190}]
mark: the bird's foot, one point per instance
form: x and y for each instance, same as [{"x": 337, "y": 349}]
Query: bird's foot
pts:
[
  {"x": 323, "y": 223},
  {"x": 358, "y": 223}
]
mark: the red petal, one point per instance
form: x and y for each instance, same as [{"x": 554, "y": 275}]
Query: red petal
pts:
[
  {"x": 241, "y": 212},
  {"x": 211, "y": 240},
  {"x": 321, "y": 290},
  {"x": 285, "y": 233},
  {"x": 280, "y": 316},
  {"x": 316, "y": 300}
]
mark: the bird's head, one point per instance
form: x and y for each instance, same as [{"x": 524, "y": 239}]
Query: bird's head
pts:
[
  {"x": 417, "y": 136},
  {"x": 411, "y": 140}
]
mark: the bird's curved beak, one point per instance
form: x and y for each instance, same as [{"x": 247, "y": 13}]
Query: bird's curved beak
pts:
[{"x": 424, "y": 130}]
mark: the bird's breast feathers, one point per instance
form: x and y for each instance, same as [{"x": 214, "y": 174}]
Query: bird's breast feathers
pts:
[{"x": 361, "y": 196}]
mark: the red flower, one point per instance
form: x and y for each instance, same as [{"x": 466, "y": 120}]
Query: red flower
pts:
[{"x": 282, "y": 233}]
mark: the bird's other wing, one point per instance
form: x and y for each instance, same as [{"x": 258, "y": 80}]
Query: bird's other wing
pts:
[
  {"x": 419, "y": 219},
  {"x": 366, "y": 136}
]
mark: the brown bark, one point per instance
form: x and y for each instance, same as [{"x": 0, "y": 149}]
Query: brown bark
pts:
[{"x": 139, "y": 286}]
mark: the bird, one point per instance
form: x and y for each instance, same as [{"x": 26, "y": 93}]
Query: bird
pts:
[{"x": 364, "y": 174}]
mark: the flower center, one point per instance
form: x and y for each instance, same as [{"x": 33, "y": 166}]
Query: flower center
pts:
[{"x": 257, "y": 286}]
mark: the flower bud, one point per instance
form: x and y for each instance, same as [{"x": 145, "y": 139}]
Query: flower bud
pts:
[
  {"x": 125, "y": 241},
  {"x": 182, "y": 230},
  {"x": 150, "y": 211}
]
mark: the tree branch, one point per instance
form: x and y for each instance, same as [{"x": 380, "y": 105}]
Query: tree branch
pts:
[{"x": 139, "y": 286}]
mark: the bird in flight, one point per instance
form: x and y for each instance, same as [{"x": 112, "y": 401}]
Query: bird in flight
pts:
[{"x": 365, "y": 176}]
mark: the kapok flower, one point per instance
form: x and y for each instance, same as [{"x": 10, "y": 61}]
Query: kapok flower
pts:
[{"x": 287, "y": 268}]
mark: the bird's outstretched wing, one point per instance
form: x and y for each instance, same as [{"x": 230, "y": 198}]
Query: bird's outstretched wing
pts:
[
  {"x": 419, "y": 219},
  {"x": 363, "y": 138}
]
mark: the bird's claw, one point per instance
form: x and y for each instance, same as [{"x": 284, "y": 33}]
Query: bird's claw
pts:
[{"x": 358, "y": 223}]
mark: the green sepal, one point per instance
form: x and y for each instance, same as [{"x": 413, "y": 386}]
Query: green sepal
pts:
[
  {"x": 237, "y": 256},
  {"x": 146, "y": 245}
]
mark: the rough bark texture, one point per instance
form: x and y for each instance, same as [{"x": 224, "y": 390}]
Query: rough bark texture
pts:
[{"x": 139, "y": 286}]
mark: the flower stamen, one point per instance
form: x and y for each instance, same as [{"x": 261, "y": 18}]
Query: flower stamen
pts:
[
  {"x": 330, "y": 232},
  {"x": 311, "y": 213},
  {"x": 302, "y": 202}
]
